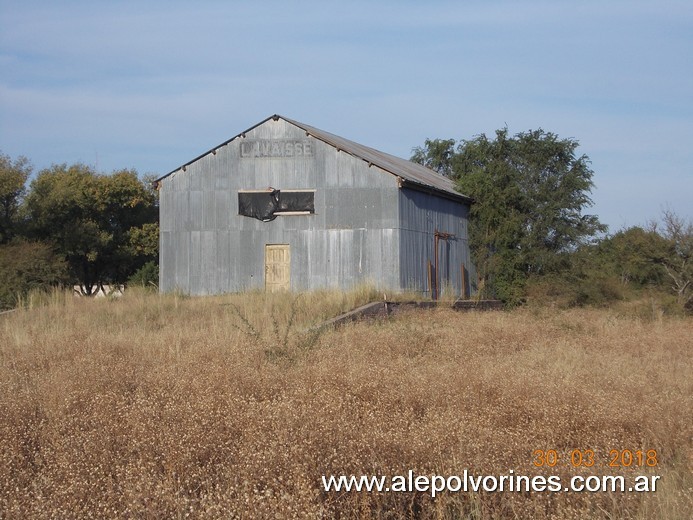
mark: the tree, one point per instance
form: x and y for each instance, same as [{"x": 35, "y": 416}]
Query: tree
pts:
[
  {"x": 678, "y": 262},
  {"x": 530, "y": 192},
  {"x": 94, "y": 220},
  {"x": 13, "y": 178},
  {"x": 25, "y": 266},
  {"x": 634, "y": 256},
  {"x": 436, "y": 154},
  {"x": 127, "y": 212}
]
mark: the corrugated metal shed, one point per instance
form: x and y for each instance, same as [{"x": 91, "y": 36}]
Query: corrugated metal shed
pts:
[{"x": 374, "y": 217}]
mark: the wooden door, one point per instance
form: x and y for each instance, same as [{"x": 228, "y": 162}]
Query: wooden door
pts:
[{"x": 277, "y": 267}]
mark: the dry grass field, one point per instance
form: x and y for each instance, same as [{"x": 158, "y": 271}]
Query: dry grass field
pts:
[{"x": 232, "y": 407}]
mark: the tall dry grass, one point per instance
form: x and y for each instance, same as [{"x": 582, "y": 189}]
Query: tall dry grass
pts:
[{"x": 233, "y": 407}]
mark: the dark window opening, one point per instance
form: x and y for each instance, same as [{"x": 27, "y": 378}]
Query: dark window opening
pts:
[{"x": 266, "y": 205}]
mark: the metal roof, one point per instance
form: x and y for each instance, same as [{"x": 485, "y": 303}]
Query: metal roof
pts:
[{"x": 412, "y": 174}]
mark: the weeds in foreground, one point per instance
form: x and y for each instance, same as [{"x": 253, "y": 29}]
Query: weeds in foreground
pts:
[
  {"x": 156, "y": 406},
  {"x": 279, "y": 339}
]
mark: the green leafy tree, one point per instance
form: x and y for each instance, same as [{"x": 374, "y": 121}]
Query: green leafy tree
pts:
[
  {"x": 25, "y": 266},
  {"x": 436, "y": 154},
  {"x": 127, "y": 212},
  {"x": 634, "y": 256},
  {"x": 93, "y": 220},
  {"x": 530, "y": 192},
  {"x": 13, "y": 178}
]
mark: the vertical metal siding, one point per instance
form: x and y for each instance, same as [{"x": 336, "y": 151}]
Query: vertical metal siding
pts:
[
  {"x": 421, "y": 214},
  {"x": 365, "y": 228}
]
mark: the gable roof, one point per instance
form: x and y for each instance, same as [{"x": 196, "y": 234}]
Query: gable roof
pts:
[{"x": 410, "y": 174}]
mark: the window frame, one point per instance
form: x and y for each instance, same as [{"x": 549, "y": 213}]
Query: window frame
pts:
[{"x": 281, "y": 213}]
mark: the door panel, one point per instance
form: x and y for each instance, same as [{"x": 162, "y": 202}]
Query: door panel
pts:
[{"x": 277, "y": 267}]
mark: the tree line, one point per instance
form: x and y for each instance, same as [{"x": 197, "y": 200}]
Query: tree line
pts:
[
  {"x": 70, "y": 225},
  {"x": 530, "y": 235}
]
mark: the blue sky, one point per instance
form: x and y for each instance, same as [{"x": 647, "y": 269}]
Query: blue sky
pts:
[{"x": 151, "y": 85}]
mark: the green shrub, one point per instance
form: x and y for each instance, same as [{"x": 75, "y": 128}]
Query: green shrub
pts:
[{"x": 146, "y": 276}]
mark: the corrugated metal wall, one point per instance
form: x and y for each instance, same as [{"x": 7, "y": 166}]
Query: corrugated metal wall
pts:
[
  {"x": 352, "y": 238},
  {"x": 421, "y": 215}
]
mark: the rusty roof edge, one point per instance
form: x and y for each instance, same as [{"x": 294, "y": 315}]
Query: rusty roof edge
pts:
[{"x": 426, "y": 188}]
